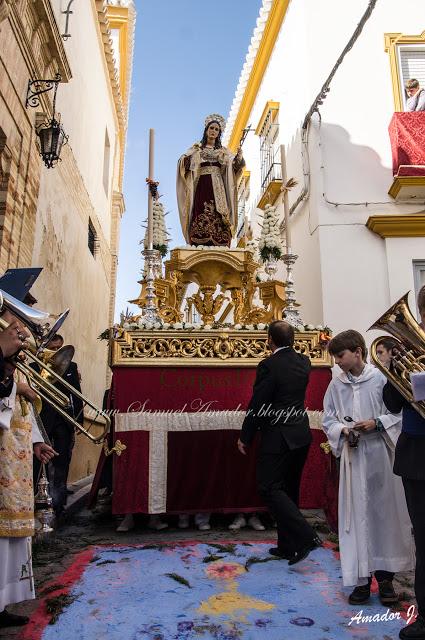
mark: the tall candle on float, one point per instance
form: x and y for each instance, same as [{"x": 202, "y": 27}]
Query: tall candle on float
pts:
[
  {"x": 150, "y": 200},
  {"x": 285, "y": 200}
]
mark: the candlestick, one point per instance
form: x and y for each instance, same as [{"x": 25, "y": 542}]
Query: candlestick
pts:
[{"x": 285, "y": 198}]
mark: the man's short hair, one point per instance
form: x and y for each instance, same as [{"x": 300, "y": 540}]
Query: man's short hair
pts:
[
  {"x": 350, "y": 340},
  {"x": 412, "y": 84},
  {"x": 421, "y": 299},
  {"x": 57, "y": 337},
  {"x": 282, "y": 333},
  {"x": 387, "y": 343}
]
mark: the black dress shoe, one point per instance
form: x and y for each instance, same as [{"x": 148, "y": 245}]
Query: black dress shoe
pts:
[
  {"x": 360, "y": 594},
  {"x": 12, "y": 620},
  {"x": 302, "y": 553},
  {"x": 279, "y": 553},
  {"x": 387, "y": 595},
  {"x": 414, "y": 631}
]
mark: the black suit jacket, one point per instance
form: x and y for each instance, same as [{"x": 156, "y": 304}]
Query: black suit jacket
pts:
[
  {"x": 278, "y": 398},
  {"x": 410, "y": 450},
  {"x": 49, "y": 416}
]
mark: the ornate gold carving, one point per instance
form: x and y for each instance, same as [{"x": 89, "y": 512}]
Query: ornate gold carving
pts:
[
  {"x": 118, "y": 448},
  {"x": 272, "y": 293},
  {"x": 215, "y": 271},
  {"x": 201, "y": 348},
  {"x": 205, "y": 303}
]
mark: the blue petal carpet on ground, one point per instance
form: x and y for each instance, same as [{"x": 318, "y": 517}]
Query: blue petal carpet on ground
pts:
[{"x": 214, "y": 592}]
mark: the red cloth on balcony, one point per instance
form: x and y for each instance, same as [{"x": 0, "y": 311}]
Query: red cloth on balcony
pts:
[
  {"x": 407, "y": 135},
  {"x": 205, "y": 472}
]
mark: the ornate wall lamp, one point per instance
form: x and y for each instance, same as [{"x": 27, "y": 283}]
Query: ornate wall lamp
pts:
[{"x": 51, "y": 133}]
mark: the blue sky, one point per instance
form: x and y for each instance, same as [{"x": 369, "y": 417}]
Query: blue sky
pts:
[{"x": 187, "y": 60}]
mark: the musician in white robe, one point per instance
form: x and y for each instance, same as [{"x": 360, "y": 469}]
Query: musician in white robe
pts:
[
  {"x": 19, "y": 436},
  {"x": 374, "y": 526}
]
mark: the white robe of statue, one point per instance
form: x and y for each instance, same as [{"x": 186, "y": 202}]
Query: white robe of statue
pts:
[
  {"x": 373, "y": 522},
  {"x": 16, "y": 577}
]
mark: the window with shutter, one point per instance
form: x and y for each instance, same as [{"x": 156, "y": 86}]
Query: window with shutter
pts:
[
  {"x": 412, "y": 65},
  {"x": 407, "y": 61},
  {"x": 271, "y": 172},
  {"x": 270, "y": 169},
  {"x": 419, "y": 278}
]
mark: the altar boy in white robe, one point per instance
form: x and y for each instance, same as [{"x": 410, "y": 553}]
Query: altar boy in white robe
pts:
[
  {"x": 373, "y": 522},
  {"x": 19, "y": 436}
]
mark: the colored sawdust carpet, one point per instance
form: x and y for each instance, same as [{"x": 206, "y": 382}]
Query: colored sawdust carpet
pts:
[{"x": 210, "y": 591}]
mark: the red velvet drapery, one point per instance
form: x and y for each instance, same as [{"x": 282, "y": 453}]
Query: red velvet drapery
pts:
[
  {"x": 407, "y": 135},
  {"x": 205, "y": 472}
]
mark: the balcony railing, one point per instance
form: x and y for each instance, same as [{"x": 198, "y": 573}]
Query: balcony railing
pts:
[{"x": 271, "y": 178}]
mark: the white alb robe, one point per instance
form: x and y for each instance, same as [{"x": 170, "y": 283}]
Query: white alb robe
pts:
[
  {"x": 16, "y": 577},
  {"x": 373, "y": 522}
]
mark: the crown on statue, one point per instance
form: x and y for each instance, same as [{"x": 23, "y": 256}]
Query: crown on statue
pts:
[{"x": 215, "y": 117}]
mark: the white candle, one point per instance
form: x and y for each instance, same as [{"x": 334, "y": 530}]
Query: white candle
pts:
[{"x": 150, "y": 201}]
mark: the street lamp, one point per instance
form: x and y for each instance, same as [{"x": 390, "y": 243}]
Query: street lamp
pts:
[
  {"x": 51, "y": 134},
  {"x": 52, "y": 137}
]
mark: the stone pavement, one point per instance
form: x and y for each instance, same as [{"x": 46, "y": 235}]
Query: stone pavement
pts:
[{"x": 79, "y": 531}]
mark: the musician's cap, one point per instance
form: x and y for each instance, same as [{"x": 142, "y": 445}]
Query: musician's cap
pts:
[{"x": 18, "y": 282}]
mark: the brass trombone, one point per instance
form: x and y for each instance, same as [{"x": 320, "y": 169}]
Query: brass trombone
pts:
[
  {"x": 408, "y": 355},
  {"x": 43, "y": 381}
]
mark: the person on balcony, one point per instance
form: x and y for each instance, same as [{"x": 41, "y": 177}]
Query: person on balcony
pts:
[{"x": 416, "y": 96}]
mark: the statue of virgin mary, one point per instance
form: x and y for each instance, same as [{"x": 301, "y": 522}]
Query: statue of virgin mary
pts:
[{"x": 207, "y": 188}]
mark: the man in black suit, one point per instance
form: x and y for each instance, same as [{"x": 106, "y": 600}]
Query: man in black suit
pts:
[
  {"x": 409, "y": 464},
  {"x": 60, "y": 431},
  {"x": 277, "y": 409}
]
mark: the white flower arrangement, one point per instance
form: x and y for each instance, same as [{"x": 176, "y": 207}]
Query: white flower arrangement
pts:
[
  {"x": 145, "y": 325},
  {"x": 159, "y": 231},
  {"x": 270, "y": 245}
]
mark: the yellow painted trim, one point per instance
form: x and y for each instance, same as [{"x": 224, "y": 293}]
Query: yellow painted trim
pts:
[
  {"x": 270, "y": 194},
  {"x": 398, "y": 226},
  {"x": 270, "y": 106},
  {"x": 392, "y": 40},
  {"x": 270, "y": 34},
  {"x": 405, "y": 181},
  {"x": 244, "y": 176},
  {"x": 118, "y": 19}
]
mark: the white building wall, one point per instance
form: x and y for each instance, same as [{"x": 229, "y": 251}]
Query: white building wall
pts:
[
  {"x": 346, "y": 276},
  {"x": 86, "y": 104},
  {"x": 72, "y": 193}
]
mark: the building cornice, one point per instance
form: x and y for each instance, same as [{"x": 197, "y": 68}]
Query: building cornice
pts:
[
  {"x": 402, "y": 182},
  {"x": 270, "y": 106},
  {"x": 260, "y": 50},
  {"x": 118, "y": 202},
  {"x": 122, "y": 16},
  {"x": 102, "y": 15},
  {"x": 398, "y": 226},
  {"x": 53, "y": 56}
]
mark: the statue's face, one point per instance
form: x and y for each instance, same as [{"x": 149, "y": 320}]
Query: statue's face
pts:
[{"x": 213, "y": 131}]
